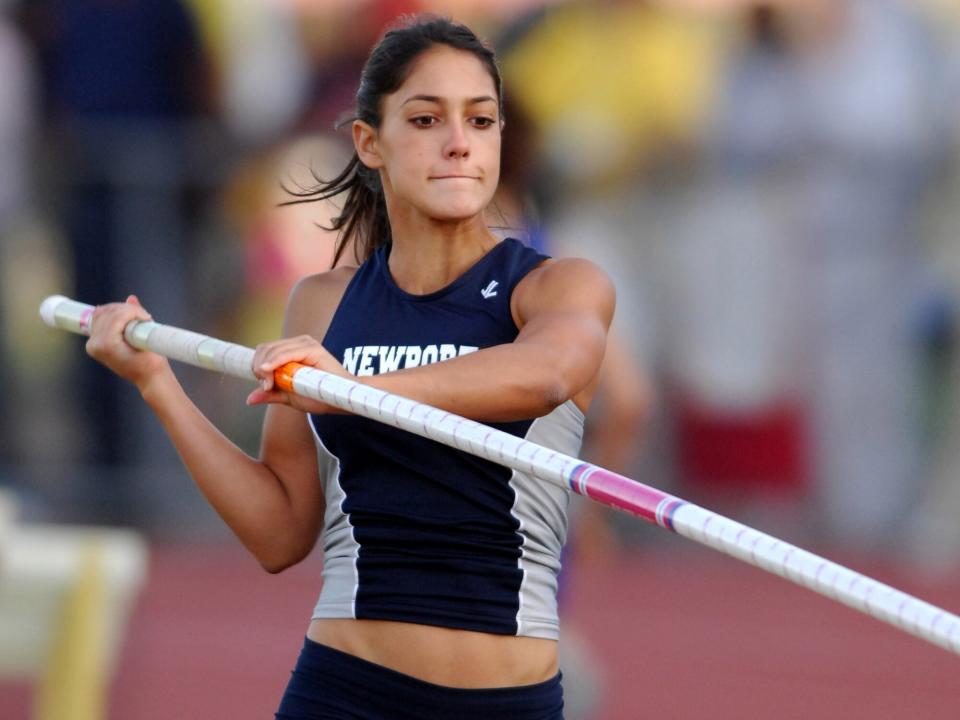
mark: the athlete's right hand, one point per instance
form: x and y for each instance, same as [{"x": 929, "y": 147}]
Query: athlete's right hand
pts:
[
  {"x": 108, "y": 346},
  {"x": 303, "y": 349}
]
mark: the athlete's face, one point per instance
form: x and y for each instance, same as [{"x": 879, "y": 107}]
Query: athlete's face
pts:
[{"x": 438, "y": 144}]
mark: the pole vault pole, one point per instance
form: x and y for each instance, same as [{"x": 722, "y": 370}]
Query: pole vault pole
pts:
[{"x": 834, "y": 581}]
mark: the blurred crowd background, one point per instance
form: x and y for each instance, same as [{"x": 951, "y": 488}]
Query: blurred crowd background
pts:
[{"x": 774, "y": 186}]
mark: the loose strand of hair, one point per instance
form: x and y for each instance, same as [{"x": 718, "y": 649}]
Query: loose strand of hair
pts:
[{"x": 363, "y": 219}]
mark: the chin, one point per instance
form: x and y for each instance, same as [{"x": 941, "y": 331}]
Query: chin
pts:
[{"x": 457, "y": 211}]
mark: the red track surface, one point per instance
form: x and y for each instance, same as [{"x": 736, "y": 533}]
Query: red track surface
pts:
[{"x": 685, "y": 634}]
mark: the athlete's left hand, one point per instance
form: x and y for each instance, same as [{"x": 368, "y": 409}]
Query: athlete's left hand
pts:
[{"x": 302, "y": 349}]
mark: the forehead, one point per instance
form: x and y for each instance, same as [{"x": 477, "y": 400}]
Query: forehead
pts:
[{"x": 446, "y": 72}]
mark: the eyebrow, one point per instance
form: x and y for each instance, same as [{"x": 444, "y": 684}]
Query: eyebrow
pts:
[{"x": 439, "y": 101}]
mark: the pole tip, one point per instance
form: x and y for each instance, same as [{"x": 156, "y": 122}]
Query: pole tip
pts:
[{"x": 48, "y": 309}]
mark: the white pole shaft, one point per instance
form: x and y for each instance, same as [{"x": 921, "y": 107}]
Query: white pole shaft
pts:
[{"x": 834, "y": 581}]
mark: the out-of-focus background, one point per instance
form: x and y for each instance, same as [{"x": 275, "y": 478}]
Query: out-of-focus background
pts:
[{"x": 774, "y": 187}]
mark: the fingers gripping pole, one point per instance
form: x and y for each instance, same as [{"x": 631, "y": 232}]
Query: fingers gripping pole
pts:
[{"x": 860, "y": 592}]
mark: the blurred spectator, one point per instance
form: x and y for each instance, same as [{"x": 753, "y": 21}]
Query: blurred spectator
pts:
[
  {"x": 831, "y": 127},
  {"x": 260, "y": 64},
  {"x": 16, "y": 118},
  {"x": 121, "y": 82},
  {"x": 338, "y": 40},
  {"x": 935, "y": 533},
  {"x": 611, "y": 84},
  {"x": 735, "y": 338},
  {"x": 616, "y": 89}
]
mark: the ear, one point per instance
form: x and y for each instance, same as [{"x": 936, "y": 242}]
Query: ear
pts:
[{"x": 365, "y": 143}]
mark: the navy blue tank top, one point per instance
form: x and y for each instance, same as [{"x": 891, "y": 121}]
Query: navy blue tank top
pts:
[{"x": 416, "y": 531}]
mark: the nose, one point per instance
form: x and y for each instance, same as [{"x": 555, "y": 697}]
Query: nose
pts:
[{"x": 457, "y": 145}]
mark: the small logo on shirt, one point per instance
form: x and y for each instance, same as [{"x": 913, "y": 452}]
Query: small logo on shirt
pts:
[{"x": 490, "y": 290}]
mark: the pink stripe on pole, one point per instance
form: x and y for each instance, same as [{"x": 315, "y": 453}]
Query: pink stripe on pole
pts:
[
  {"x": 622, "y": 493},
  {"x": 85, "y": 319}
]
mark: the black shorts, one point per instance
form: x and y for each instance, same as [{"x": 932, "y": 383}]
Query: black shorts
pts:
[{"x": 331, "y": 685}]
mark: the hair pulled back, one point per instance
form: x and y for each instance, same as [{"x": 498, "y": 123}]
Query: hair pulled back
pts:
[{"x": 363, "y": 219}]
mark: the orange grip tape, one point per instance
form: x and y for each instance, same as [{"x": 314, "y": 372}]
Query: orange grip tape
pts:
[{"x": 283, "y": 375}]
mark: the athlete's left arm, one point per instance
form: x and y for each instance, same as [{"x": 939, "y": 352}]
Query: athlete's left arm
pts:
[{"x": 563, "y": 309}]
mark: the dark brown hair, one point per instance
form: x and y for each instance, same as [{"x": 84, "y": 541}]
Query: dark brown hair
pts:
[{"x": 363, "y": 219}]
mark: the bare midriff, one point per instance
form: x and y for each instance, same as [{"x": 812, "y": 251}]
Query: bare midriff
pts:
[{"x": 443, "y": 656}]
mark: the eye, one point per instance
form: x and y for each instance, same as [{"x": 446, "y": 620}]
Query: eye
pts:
[
  {"x": 484, "y": 122},
  {"x": 424, "y": 121}
]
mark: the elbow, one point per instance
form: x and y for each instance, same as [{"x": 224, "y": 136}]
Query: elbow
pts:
[
  {"x": 554, "y": 394},
  {"x": 553, "y": 391},
  {"x": 561, "y": 378},
  {"x": 556, "y": 384},
  {"x": 275, "y": 567},
  {"x": 281, "y": 559},
  {"x": 561, "y": 375}
]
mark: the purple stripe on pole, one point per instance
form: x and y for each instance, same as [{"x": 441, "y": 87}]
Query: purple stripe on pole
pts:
[
  {"x": 668, "y": 511},
  {"x": 574, "y": 478}
]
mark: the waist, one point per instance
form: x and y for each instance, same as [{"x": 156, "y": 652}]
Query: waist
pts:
[{"x": 443, "y": 656}]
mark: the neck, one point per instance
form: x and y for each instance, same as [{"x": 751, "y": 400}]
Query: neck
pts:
[{"x": 427, "y": 255}]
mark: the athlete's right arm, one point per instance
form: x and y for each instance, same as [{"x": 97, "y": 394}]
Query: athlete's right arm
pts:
[{"x": 273, "y": 504}]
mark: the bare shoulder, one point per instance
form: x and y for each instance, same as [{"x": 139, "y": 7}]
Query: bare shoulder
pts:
[
  {"x": 567, "y": 271},
  {"x": 314, "y": 300},
  {"x": 564, "y": 283}
]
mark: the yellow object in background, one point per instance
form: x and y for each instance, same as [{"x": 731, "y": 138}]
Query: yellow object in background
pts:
[
  {"x": 66, "y": 595},
  {"x": 75, "y": 680},
  {"x": 610, "y": 83}
]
